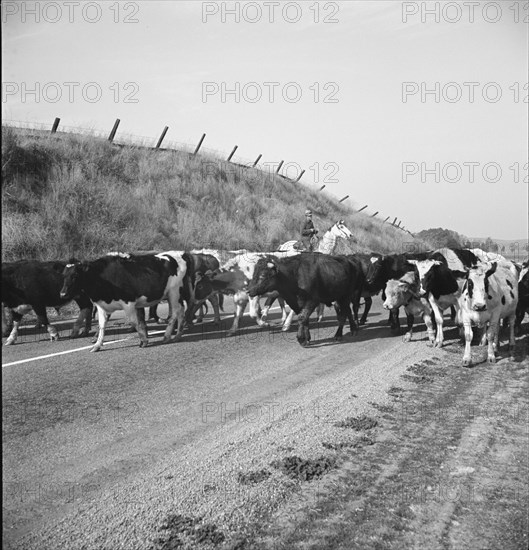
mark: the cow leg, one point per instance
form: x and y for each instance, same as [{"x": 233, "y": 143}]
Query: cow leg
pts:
[
  {"x": 394, "y": 320},
  {"x": 214, "y": 299},
  {"x": 240, "y": 299},
  {"x": 492, "y": 337},
  {"x": 177, "y": 315},
  {"x": 512, "y": 342},
  {"x": 303, "y": 324},
  {"x": 343, "y": 312},
  {"x": 438, "y": 314},
  {"x": 141, "y": 327},
  {"x": 84, "y": 318},
  {"x": 102, "y": 319},
  {"x": 255, "y": 311},
  {"x": 427, "y": 318},
  {"x": 409, "y": 320},
  {"x": 201, "y": 313},
  {"x": 321, "y": 311},
  {"x": 367, "y": 306},
  {"x": 42, "y": 318},
  {"x": 288, "y": 321},
  {"x": 284, "y": 313},
  {"x": 467, "y": 357},
  {"x": 268, "y": 304},
  {"x": 7, "y": 320},
  {"x": 17, "y": 317}
]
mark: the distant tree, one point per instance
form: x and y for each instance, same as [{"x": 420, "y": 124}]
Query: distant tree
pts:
[
  {"x": 503, "y": 249},
  {"x": 441, "y": 238},
  {"x": 490, "y": 246}
]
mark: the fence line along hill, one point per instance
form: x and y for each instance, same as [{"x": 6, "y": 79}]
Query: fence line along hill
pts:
[{"x": 77, "y": 195}]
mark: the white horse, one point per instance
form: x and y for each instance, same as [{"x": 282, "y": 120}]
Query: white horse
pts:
[{"x": 326, "y": 245}]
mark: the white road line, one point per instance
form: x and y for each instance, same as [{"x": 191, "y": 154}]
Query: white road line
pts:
[
  {"x": 69, "y": 351},
  {"x": 29, "y": 360}
]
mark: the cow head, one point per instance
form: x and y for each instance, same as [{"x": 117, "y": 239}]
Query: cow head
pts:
[
  {"x": 425, "y": 270},
  {"x": 339, "y": 229},
  {"x": 476, "y": 289},
  {"x": 400, "y": 292},
  {"x": 73, "y": 277},
  {"x": 264, "y": 277},
  {"x": 374, "y": 270}
]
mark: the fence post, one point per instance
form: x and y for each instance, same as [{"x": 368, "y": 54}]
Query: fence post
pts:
[
  {"x": 232, "y": 153},
  {"x": 256, "y": 161},
  {"x": 199, "y": 144},
  {"x": 386, "y": 220},
  {"x": 394, "y": 221},
  {"x": 322, "y": 187},
  {"x": 373, "y": 215},
  {"x": 346, "y": 197},
  {"x": 114, "y": 130},
  {"x": 161, "y": 137},
  {"x": 363, "y": 208},
  {"x": 55, "y": 125},
  {"x": 279, "y": 167},
  {"x": 299, "y": 177}
]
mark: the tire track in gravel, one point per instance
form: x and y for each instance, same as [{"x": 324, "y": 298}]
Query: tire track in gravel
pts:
[{"x": 449, "y": 468}]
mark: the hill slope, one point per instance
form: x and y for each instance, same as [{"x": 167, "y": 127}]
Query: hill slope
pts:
[{"x": 70, "y": 195}]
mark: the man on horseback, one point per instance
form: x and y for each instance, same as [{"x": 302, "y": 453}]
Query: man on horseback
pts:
[{"x": 308, "y": 232}]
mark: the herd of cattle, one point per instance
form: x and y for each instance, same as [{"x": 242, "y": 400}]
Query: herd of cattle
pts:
[{"x": 481, "y": 289}]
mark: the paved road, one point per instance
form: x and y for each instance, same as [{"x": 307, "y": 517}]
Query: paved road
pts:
[{"x": 100, "y": 448}]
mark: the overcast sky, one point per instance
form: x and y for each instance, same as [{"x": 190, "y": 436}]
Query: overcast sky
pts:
[{"x": 348, "y": 82}]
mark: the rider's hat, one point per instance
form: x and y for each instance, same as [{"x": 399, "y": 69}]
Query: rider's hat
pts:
[{"x": 308, "y": 212}]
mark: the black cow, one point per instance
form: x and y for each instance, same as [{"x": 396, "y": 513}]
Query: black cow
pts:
[
  {"x": 132, "y": 282},
  {"x": 309, "y": 279},
  {"x": 523, "y": 296},
  {"x": 30, "y": 284}
]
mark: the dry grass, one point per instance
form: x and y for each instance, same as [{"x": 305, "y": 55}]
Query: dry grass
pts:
[{"x": 71, "y": 195}]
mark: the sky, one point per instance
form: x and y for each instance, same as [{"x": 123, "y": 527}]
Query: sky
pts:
[{"x": 416, "y": 109}]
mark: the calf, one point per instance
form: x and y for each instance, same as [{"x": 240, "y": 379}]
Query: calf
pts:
[
  {"x": 308, "y": 279},
  {"x": 30, "y": 284},
  {"x": 132, "y": 282},
  {"x": 490, "y": 293},
  {"x": 393, "y": 266},
  {"x": 404, "y": 292}
]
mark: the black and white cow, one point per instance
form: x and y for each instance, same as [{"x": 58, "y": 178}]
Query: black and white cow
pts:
[
  {"x": 30, "y": 284},
  {"x": 308, "y": 279},
  {"x": 132, "y": 282},
  {"x": 490, "y": 293}
]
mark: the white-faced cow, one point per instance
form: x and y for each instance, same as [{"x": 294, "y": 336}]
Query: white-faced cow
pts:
[
  {"x": 405, "y": 292},
  {"x": 490, "y": 293},
  {"x": 307, "y": 280},
  {"x": 132, "y": 282},
  {"x": 30, "y": 284}
]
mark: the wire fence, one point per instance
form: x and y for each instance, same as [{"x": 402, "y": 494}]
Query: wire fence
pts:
[{"x": 41, "y": 130}]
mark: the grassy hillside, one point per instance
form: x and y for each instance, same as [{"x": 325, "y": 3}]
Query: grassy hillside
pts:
[{"x": 71, "y": 195}]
